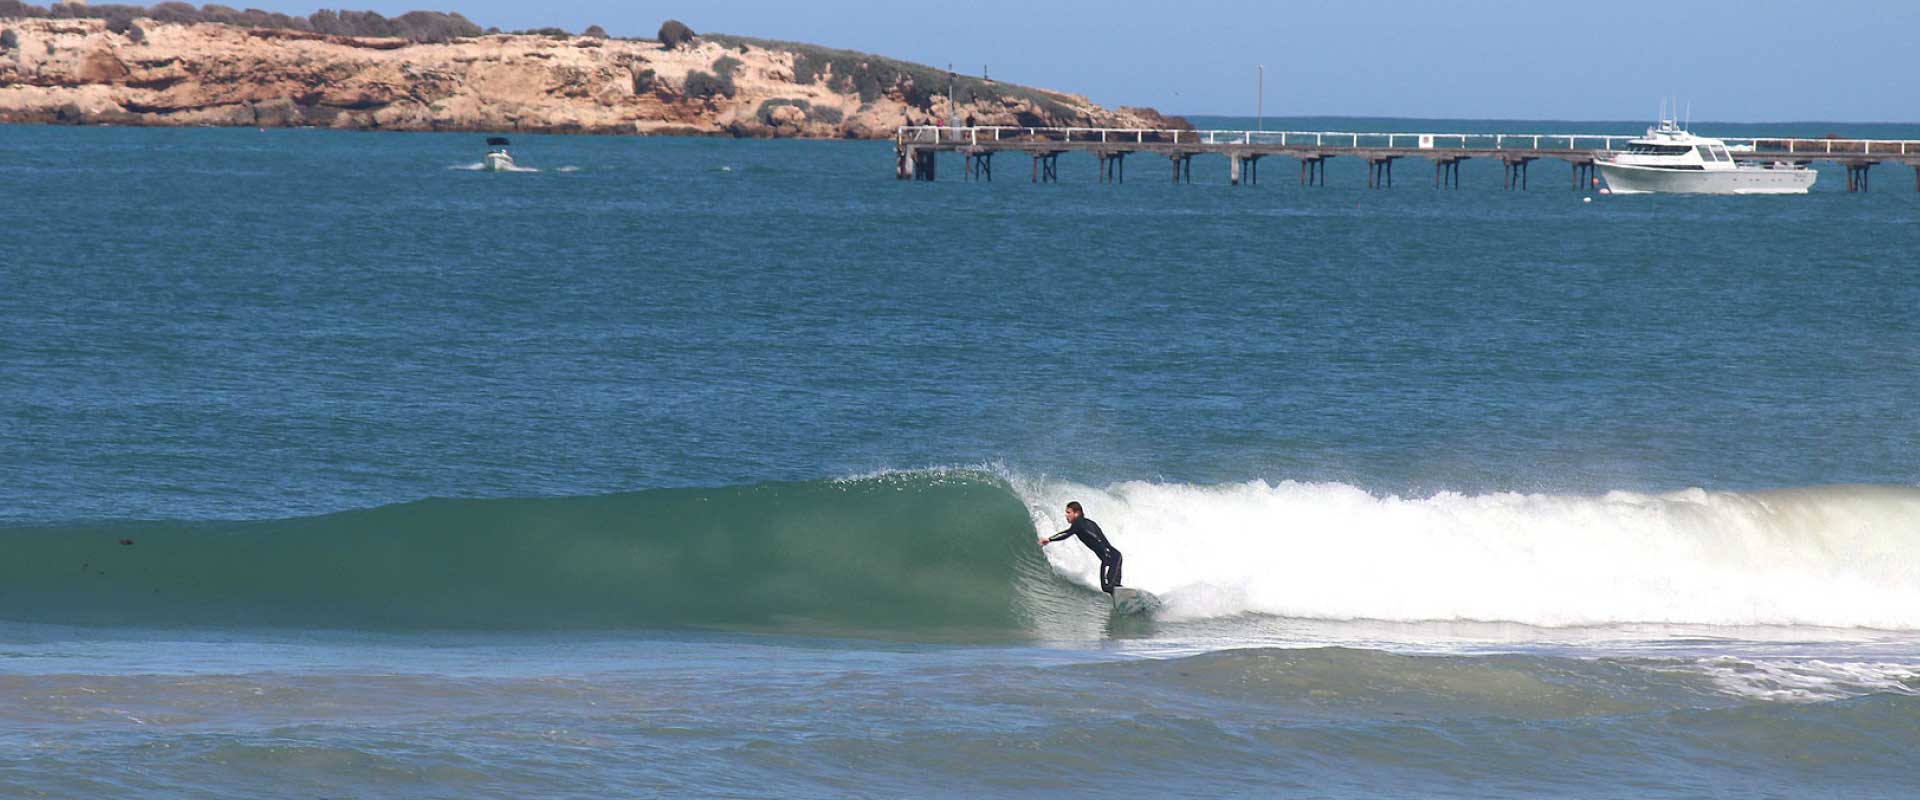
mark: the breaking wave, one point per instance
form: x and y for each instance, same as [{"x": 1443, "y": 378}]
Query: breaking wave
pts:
[{"x": 954, "y": 550}]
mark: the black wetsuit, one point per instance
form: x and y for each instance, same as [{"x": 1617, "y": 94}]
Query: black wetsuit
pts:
[{"x": 1096, "y": 541}]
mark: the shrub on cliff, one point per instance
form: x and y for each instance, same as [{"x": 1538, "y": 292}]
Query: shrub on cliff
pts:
[
  {"x": 643, "y": 81},
  {"x": 420, "y": 26},
  {"x": 434, "y": 26},
  {"x": 674, "y": 33},
  {"x": 765, "y": 111},
  {"x": 9, "y": 40},
  {"x": 178, "y": 12},
  {"x": 921, "y": 86},
  {"x": 594, "y": 32},
  {"x": 704, "y": 85},
  {"x": 725, "y": 65}
]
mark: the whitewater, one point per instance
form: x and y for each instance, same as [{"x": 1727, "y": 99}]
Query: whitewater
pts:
[{"x": 1846, "y": 556}]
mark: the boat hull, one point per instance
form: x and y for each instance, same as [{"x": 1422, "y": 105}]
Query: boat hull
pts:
[
  {"x": 1630, "y": 179},
  {"x": 499, "y": 162}
]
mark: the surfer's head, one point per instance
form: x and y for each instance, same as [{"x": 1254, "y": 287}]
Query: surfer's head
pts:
[{"x": 1073, "y": 511}]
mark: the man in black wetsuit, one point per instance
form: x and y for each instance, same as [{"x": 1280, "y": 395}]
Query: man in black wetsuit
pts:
[{"x": 1090, "y": 535}]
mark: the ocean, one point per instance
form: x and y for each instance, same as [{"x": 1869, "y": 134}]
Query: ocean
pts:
[{"x": 331, "y": 466}]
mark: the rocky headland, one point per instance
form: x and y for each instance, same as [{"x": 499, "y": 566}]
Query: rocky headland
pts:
[{"x": 140, "y": 70}]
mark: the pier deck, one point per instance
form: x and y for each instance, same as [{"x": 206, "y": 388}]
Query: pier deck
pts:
[{"x": 917, "y": 146}]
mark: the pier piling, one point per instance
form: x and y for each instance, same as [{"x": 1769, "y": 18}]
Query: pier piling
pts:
[
  {"x": 1857, "y": 172},
  {"x": 1582, "y": 175},
  {"x": 1516, "y": 171},
  {"x": 1113, "y": 166},
  {"x": 1380, "y": 172},
  {"x": 1313, "y": 170},
  {"x": 1046, "y": 166},
  {"x": 979, "y": 165},
  {"x": 1182, "y": 166}
]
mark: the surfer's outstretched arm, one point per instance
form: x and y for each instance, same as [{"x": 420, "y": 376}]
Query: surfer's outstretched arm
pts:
[{"x": 1061, "y": 536}]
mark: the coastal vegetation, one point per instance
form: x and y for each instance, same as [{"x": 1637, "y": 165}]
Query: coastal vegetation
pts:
[
  {"x": 175, "y": 64},
  {"x": 674, "y": 33},
  {"x": 872, "y": 77},
  {"x": 419, "y": 26}
]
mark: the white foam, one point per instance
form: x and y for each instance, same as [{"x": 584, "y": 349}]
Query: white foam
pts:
[
  {"x": 1836, "y": 557},
  {"x": 1810, "y": 681},
  {"x": 479, "y": 166}
]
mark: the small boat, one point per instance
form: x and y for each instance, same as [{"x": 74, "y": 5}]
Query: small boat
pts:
[
  {"x": 497, "y": 158},
  {"x": 1669, "y": 159}
]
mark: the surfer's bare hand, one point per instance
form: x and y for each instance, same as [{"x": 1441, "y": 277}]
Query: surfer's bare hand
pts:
[{"x": 1043, "y": 542}]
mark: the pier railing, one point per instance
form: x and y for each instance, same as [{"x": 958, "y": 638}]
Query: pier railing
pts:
[{"x": 989, "y": 135}]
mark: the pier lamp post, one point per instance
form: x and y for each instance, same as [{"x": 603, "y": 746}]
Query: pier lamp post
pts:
[{"x": 1260, "y": 99}]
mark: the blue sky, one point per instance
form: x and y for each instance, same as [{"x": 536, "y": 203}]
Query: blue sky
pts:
[{"x": 1763, "y": 60}]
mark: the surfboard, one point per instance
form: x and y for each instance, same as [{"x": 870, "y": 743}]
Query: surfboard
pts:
[{"x": 1134, "y": 602}]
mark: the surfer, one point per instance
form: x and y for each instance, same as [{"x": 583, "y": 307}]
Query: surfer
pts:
[{"x": 1091, "y": 536}]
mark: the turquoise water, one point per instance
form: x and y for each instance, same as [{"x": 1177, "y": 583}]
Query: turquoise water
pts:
[{"x": 331, "y": 466}]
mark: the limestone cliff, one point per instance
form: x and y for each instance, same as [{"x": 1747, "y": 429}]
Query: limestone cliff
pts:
[{"x": 78, "y": 71}]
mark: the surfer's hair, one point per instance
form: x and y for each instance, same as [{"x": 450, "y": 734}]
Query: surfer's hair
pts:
[{"x": 1075, "y": 505}]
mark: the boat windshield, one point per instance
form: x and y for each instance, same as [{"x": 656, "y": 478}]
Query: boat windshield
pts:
[{"x": 1658, "y": 149}]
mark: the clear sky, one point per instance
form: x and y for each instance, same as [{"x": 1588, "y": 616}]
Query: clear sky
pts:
[{"x": 1757, "y": 60}]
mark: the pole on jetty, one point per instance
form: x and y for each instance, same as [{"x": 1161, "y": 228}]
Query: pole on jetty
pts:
[{"x": 1260, "y": 101}]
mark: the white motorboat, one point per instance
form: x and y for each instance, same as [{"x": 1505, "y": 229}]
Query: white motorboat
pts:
[
  {"x": 1669, "y": 159},
  {"x": 497, "y": 158}
]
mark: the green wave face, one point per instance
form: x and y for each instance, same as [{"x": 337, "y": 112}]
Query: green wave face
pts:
[{"x": 910, "y": 551}]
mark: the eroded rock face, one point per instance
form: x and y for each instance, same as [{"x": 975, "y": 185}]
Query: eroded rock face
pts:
[{"x": 75, "y": 71}]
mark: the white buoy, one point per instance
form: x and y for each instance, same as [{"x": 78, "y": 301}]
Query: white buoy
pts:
[{"x": 1586, "y": 199}]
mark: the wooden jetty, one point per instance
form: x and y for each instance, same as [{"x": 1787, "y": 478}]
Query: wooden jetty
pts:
[{"x": 917, "y": 147}]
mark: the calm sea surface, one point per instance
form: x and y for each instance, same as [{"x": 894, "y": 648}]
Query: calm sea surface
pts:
[{"x": 333, "y": 467}]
